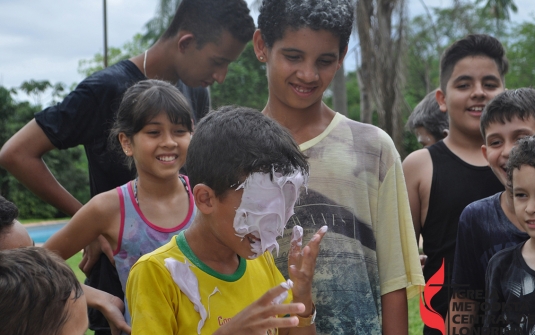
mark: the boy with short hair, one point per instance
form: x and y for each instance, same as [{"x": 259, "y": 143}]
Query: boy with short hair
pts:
[
  {"x": 204, "y": 37},
  {"x": 447, "y": 176},
  {"x": 12, "y": 233},
  {"x": 369, "y": 260},
  {"x": 246, "y": 173},
  {"x": 427, "y": 121},
  {"x": 39, "y": 294},
  {"x": 489, "y": 225},
  {"x": 510, "y": 277}
]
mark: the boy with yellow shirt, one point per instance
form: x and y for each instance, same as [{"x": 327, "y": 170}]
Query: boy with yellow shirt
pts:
[{"x": 246, "y": 173}]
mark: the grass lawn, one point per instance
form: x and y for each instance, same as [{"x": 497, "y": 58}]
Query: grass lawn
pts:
[{"x": 415, "y": 322}]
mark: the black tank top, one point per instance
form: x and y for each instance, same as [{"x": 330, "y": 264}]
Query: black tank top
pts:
[{"x": 455, "y": 185}]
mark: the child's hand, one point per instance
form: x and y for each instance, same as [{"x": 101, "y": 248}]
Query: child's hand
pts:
[
  {"x": 301, "y": 265},
  {"x": 260, "y": 316}
]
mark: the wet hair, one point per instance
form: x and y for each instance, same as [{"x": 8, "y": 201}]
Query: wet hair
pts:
[
  {"x": 207, "y": 19},
  {"x": 277, "y": 16},
  {"x": 8, "y": 213},
  {"x": 523, "y": 153},
  {"x": 232, "y": 142},
  {"x": 35, "y": 286},
  {"x": 519, "y": 103},
  {"x": 470, "y": 46},
  {"x": 144, "y": 101},
  {"x": 427, "y": 114}
]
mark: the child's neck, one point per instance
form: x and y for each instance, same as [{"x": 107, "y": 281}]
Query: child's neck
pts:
[
  {"x": 304, "y": 124},
  {"x": 204, "y": 245},
  {"x": 506, "y": 202},
  {"x": 528, "y": 252},
  {"x": 466, "y": 146}
]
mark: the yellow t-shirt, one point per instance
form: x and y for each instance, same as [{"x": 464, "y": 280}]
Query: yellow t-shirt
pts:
[{"x": 157, "y": 306}]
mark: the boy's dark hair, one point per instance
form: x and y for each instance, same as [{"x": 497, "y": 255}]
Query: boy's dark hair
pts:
[
  {"x": 472, "y": 45},
  {"x": 144, "y": 101},
  {"x": 8, "y": 213},
  {"x": 427, "y": 114},
  {"x": 523, "y": 153},
  {"x": 519, "y": 103},
  {"x": 276, "y": 16},
  {"x": 207, "y": 19},
  {"x": 232, "y": 142},
  {"x": 35, "y": 285}
]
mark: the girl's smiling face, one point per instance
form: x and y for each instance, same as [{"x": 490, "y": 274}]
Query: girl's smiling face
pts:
[{"x": 300, "y": 66}]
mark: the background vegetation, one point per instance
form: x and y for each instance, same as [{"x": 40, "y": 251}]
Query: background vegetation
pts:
[{"x": 425, "y": 37}]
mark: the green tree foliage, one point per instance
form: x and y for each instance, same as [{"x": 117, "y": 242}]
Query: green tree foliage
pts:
[
  {"x": 245, "y": 84},
  {"x": 521, "y": 53},
  {"x": 69, "y": 166}
]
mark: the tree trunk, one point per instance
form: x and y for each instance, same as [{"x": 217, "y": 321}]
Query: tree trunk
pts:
[
  {"x": 382, "y": 48},
  {"x": 339, "y": 92}
]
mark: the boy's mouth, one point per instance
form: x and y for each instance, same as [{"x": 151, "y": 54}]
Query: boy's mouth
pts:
[
  {"x": 476, "y": 110},
  {"x": 168, "y": 158},
  {"x": 302, "y": 89},
  {"x": 252, "y": 238}
]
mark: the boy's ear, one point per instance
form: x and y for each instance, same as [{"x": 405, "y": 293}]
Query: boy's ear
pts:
[
  {"x": 185, "y": 41},
  {"x": 441, "y": 99},
  {"x": 204, "y": 198},
  {"x": 126, "y": 144},
  {"x": 260, "y": 48},
  {"x": 484, "y": 151},
  {"x": 341, "y": 59}
]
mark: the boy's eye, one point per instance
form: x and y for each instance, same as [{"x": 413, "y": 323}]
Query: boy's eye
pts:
[
  {"x": 292, "y": 57},
  {"x": 491, "y": 85},
  {"x": 520, "y": 195},
  {"x": 325, "y": 62}
]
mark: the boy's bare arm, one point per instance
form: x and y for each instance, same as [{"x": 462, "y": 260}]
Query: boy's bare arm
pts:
[
  {"x": 395, "y": 313},
  {"x": 418, "y": 171},
  {"x": 22, "y": 155}
]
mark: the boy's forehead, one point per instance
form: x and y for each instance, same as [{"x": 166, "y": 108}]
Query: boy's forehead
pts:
[
  {"x": 514, "y": 126},
  {"x": 475, "y": 67}
]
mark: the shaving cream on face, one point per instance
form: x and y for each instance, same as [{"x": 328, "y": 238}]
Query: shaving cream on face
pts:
[{"x": 266, "y": 206}]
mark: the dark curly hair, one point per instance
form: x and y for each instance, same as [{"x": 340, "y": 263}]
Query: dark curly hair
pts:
[
  {"x": 206, "y": 19},
  {"x": 276, "y": 16},
  {"x": 519, "y": 103},
  {"x": 522, "y": 154},
  {"x": 470, "y": 46},
  {"x": 8, "y": 213}
]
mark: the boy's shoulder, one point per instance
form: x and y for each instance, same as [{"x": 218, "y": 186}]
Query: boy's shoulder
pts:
[{"x": 481, "y": 206}]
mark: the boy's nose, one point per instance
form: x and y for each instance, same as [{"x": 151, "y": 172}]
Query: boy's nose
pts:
[
  {"x": 479, "y": 91},
  {"x": 220, "y": 74},
  {"x": 308, "y": 73}
]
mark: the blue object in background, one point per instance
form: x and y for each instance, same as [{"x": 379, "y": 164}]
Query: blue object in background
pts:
[{"x": 41, "y": 233}]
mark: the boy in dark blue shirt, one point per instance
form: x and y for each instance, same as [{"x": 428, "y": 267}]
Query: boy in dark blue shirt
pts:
[{"x": 489, "y": 225}]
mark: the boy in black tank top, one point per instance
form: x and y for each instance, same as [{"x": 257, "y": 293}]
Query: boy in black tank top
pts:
[{"x": 452, "y": 173}]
